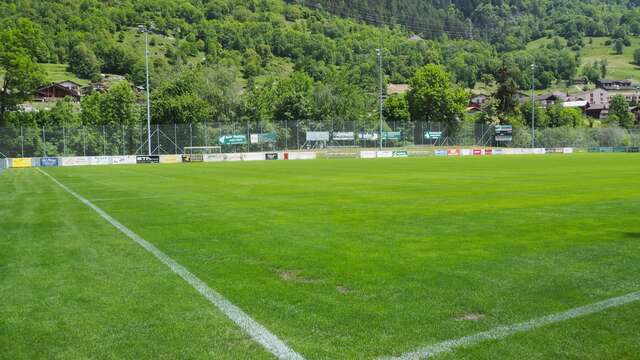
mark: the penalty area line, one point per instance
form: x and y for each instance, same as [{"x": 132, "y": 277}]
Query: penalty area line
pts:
[
  {"x": 502, "y": 332},
  {"x": 257, "y": 332}
]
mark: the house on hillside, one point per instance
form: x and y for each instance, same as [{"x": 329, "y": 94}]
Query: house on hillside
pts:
[
  {"x": 615, "y": 84},
  {"x": 479, "y": 99},
  {"x": 397, "y": 89},
  {"x": 549, "y": 99},
  {"x": 59, "y": 90}
]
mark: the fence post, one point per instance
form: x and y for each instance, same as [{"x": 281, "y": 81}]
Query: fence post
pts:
[
  {"x": 190, "y": 135},
  {"x": 21, "y": 141},
  {"x": 124, "y": 142},
  {"x": 158, "y": 137},
  {"x": 298, "y": 134},
  {"x": 64, "y": 141},
  {"x": 104, "y": 141},
  {"x": 84, "y": 142},
  {"x": 175, "y": 138},
  {"x": 286, "y": 135}
]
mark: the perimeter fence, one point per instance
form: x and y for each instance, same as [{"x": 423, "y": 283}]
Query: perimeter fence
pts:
[{"x": 247, "y": 137}]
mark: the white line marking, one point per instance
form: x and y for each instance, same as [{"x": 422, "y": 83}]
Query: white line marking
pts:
[
  {"x": 502, "y": 332},
  {"x": 258, "y": 332}
]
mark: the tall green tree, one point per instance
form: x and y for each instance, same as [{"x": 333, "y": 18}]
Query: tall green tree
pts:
[
  {"x": 619, "y": 112},
  {"x": 84, "y": 63},
  {"x": 434, "y": 97}
]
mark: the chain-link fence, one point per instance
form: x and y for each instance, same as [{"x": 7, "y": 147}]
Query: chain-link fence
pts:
[{"x": 246, "y": 137}]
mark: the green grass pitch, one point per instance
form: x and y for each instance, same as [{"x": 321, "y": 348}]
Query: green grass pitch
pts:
[{"x": 341, "y": 259}]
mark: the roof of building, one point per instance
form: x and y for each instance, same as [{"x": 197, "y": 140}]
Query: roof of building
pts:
[
  {"x": 397, "y": 88},
  {"x": 579, "y": 103}
]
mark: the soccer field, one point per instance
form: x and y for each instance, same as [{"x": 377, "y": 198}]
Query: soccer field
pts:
[{"x": 459, "y": 258}]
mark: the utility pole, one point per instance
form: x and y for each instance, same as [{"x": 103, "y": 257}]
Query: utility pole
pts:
[
  {"x": 533, "y": 106},
  {"x": 379, "y": 52},
  {"x": 146, "y": 67}
]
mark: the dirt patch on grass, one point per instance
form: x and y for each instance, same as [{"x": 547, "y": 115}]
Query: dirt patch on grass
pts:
[
  {"x": 470, "y": 317},
  {"x": 295, "y": 277}
]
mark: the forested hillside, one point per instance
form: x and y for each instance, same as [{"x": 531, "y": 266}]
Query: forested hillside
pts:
[{"x": 268, "y": 59}]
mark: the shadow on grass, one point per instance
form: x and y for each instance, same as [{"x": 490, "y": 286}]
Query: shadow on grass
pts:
[{"x": 632, "y": 235}]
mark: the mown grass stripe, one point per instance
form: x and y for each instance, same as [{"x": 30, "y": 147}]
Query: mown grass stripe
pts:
[
  {"x": 254, "y": 329},
  {"x": 502, "y": 332}
]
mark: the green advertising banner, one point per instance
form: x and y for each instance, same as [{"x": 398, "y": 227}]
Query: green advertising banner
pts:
[
  {"x": 270, "y": 137},
  {"x": 391, "y": 135},
  {"x": 432, "y": 135},
  {"x": 233, "y": 139}
]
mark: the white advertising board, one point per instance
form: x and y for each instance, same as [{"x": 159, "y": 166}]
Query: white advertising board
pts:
[
  {"x": 466, "y": 152},
  {"x": 233, "y": 157},
  {"x": 384, "y": 154},
  {"x": 100, "y": 160},
  {"x": 119, "y": 160},
  {"x": 343, "y": 136},
  {"x": 567, "y": 150},
  {"x": 257, "y": 156},
  {"x": 75, "y": 161},
  {"x": 317, "y": 136},
  {"x": 212, "y": 157},
  {"x": 302, "y": 155}
]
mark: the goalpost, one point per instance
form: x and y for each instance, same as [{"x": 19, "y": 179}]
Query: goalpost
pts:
[{"x": 196, "y": 153}]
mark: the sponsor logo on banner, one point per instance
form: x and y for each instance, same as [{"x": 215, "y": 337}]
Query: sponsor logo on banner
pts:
[
  {"x": 432, "y": 135},
  {"x": 270, "y": 137},
  {"x": 441, "y": 153},
  {"x": 317, "y": 136},
  {"x": 302, "y": 155},
  {"x": 368, "y": 136},
  {"x": 148, "y": 159},
  {"x": 253, "y": 156},
  {"x": 466, "y": 152},
  {"x": 240, "y": 139},
  {"x": 21, "y": 163},
  {"x": 49, "y": 161},
  {"x": 271, "y": 156},
  {"x": 75, "y": 161},
  {"x": 488, "y": 151},
  {"x": 400, "y": 153},
  {"x": 232, "y": 157},
  {"x": 497, "y": 152},
  {"x": 100, "y": 160},
  {"x": 477, "y": 152},
  {"x": 391, "y": 135},
  {"x": 129, "y": 159},
  {"x": 504, "y": 132},
  {"x": 453, "y": 152},
  {"x": 207, "y": 157},
  {"x": 343, "y": 136}
]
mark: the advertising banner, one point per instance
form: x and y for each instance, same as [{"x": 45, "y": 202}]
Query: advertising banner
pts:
[
  {"x": 21, "y": 163},
  {"x": 440, "y": 153},
  {"x": 504, "y": 132},
  {"x": 240, "y": 139},
  {"x": 271, "y": 156},
  {"x": 120, "y": 160},
  {"x": 302, "y": 155},
  {"x": 75, "y": 161},
  {"x": 400, "y": 153},
  {"x": 466, "y": 152},
  {"x": 147, "y": 159},
  {"x": 633, "y": 149},
  {"x": 453, "y": 152},
  {"x": 255, "y": 156},
  {"x": 343, "y": 136},
  {"x": 391, "y": 135},
  {"x": 263, "y": 138},
  {"x": 210, "y": 158},
  {"x": 170, "y": 159},
  {"x": 432, "y": 135},
  {"x": 317, "y": 136},
  {"x": 384, "y": 154},
  {"x": 488, "y": 151},
  {"x": 368, "y": 136},
  {"x": 477, "y": 152},
  {"x": 100, "y": 160},
  {"x": 232, "y": 157},
  {"x": 498, "y": 151},
  {"x": 49, "y": 161}
]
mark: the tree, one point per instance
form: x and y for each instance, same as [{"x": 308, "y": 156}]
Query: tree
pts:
[
  {"x": 619, "y": 112},
  {"x": 83, "y": 62},
  {"x": 21, "y": 73},
  {"x": 591, "y": 72},
  {"x": 506, "y": 91},
  {"x": 433, "y": 97},
  {"x": 618, "y": 46},
  {"x": 636, "y": 56},
  {"x": 603, "y": 68},
  {"x": 396, "y": 108}
]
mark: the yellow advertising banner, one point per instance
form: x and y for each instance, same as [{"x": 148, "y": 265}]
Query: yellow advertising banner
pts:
[
  {"x": 21, "y": 162},
  {"x": 169, "y": 159}
]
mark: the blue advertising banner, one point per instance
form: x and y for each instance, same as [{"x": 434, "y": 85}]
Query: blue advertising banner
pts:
[{"x": 49, "y": 161}]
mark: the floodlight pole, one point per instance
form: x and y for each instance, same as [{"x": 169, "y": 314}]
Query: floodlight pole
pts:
[
  {"x": 379, "y": 52},
  {"x": 533, "y": 106},
  {"x": 146, "y": 67}
]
